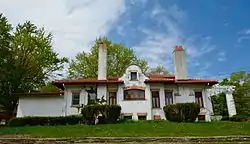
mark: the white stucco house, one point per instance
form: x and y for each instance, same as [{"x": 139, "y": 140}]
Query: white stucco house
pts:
[{"x": 139, "y": 96}]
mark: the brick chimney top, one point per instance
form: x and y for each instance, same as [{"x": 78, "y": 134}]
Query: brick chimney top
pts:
[
  {"x": 102, "y": 45},
  {"x": 178, "y": 48}
]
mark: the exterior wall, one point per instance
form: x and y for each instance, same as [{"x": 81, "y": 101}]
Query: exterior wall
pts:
[
  {"x": 158, "y": 111},
  {"x": 69, "y": 109},
  {"x": 135, "y": 106},
  {"x": 186, "y": 94},
  {"x": 62, "y": 106},
  {"x": 40, "y": 106},
  {"x": 102, "y": 91}
]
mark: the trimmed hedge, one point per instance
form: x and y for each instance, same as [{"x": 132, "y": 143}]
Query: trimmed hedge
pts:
[
  {"x": 182, "y": 112},
  {"x": 37, "y": 120},
  {"x": 240, "y": 118},
  {"x": 110, "y": 113}
]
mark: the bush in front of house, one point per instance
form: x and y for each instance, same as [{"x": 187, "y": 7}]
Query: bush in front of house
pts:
[
  {"x": 240, "y": 118},
  {"x": 41, "y": 120},
  {"x": 110, "y": 113},
  {"x": 182, "y": 112}
]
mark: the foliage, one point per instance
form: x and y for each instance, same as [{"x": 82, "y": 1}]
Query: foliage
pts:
[
  {"x": 240, "y": 118},
  {"x": 33, "y": 121},
  {"x": 27, "y": 61},
  {"x": 220, "y": 105},
  {"x": 111, "y": 113},
  {"x": 241, "y": 94},
  {"x": 49, "y": 87},
  {"x": 182, "y": 112},
  {"x": 5, "y": 62},
  {"x": 159, "y": 70},
  {"x": 118, "y": 59},
  {"x": 133, "y": 129}
]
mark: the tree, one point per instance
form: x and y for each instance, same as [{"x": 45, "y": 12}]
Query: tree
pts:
[
  {"x": 159, "y": 70},
  {"x": 241, "y": 94},
  {"x": 30, "y": 62},
  {"x": 48, "y": 87},
  {"x": 118, "y": 59},
  {"x": 220, "y": 105},
  {"x": 5, "y": 59}
]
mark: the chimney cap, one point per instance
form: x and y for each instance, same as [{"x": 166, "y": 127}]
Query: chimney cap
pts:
[
  {"x": 178, "y": 48},
  {"x": 102, "y": 45}
]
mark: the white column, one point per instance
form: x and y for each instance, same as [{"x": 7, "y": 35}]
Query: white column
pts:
[{"x": 230, "y": 104}]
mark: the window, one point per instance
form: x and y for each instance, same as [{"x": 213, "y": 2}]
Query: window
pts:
[
  {"x": 134, "y": 94},
  {"x": 112, "y": 98},
  {"x": 127, "y": 117},
  {"x": 142, "y": 117},
  {"x": 168, "y": 97},
  {"x": 75, "y": 99},
  {"x": 92, "y": 95},
  {"x": 157, "y": 117},
  {"x": 198, "y": 98},
  {"x": 201, "y": 117},
  {"x": 133, "y": 76},
  {"x": 155, "y": 99}
]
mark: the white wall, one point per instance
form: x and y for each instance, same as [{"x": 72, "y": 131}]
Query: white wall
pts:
[
  {"x": 135, "y": 106},
  {"x": 40, "y": 106},
  {"x": 184, "y": 91},
  {"x": 69, "y": 109}
]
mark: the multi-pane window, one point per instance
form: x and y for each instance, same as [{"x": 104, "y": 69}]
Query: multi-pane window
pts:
[
  {"x": 155, "y": 99},
  {"x": 92, "y": 96},
  {"x": 133, "y": 75},
  {"x": 199, "y": 99},
  {"x": 168, "y": 97},
  {"x": 112, "y": 98},
  {"x": 134, "y": 94},
  {"x": 75, "y": 98}
]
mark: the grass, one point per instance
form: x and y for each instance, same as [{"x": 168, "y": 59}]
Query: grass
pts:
[{"x": 136, "y": 129}]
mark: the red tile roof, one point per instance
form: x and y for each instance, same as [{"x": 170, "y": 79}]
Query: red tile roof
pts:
[
  {"x": 152, "y": 79},
  {"x": 39, "y": 94},
  {"x": 171, "y": 79},
  {"x": 112, "y": 80}
]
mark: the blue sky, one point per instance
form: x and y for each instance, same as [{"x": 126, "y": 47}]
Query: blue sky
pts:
[{"x": 215, "y": 33}]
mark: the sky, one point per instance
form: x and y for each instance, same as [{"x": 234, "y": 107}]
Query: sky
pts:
[{"x": 214, "y": 33}]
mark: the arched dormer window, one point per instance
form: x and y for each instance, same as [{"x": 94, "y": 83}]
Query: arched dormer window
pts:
[{"x": 133, "y": 76}]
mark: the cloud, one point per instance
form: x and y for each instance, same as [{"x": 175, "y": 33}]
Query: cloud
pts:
[
  {"x": 75, "y": 24},
  {"x": 244, "y": 35},
  {"x": 247, "y": 32},
  {"x": 157, "y": 46},
  {"x": 222, "y": 56}
]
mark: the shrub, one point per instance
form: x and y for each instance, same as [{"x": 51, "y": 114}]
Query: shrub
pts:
[
  {"x": 37, "y": 120},
  {"x": 182, "y": 112},
  {"x": 110, "y": 113},
  {"x": 225, "y": 118},
  {"x": 240, "y": 118}
]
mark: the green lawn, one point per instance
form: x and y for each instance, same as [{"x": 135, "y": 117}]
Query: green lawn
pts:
[{"x": 137, "y": 129}]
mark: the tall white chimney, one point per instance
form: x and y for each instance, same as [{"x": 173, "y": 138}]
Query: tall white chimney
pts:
[
  {"x": 102, "y": 62},
  {"x": 180, "y": 66}
]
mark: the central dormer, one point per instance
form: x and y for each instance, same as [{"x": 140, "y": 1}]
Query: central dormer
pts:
[{"x": 133, "y": 76}]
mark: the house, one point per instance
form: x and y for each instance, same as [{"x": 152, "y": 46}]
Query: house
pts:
[{"x": 139, "y": 96}]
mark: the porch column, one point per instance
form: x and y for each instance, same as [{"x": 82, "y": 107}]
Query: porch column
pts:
[{"x": 230, "y": 103}]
